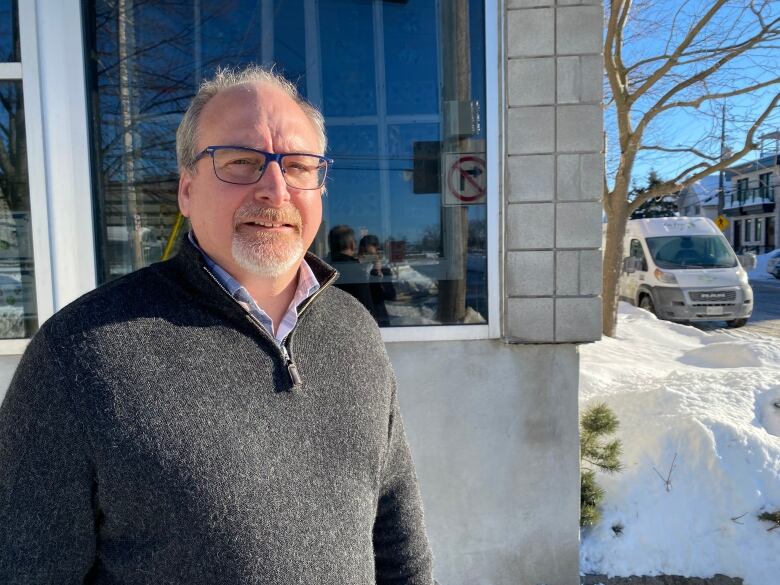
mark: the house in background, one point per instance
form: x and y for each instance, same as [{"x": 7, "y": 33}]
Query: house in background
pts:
[
  {"x": 749, "y": 204},
  {"x": 701, "y": 198}
]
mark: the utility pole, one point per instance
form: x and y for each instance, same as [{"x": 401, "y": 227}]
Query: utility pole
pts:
[
  {"x": 456, "y": 88},
  {"x": 721, "y": 173}
]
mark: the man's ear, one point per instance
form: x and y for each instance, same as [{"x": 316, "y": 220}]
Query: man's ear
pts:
[{"x": 185, "y": 187}]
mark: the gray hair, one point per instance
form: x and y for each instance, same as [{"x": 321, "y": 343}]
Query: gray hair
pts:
[{"x": 224, "y": 78}]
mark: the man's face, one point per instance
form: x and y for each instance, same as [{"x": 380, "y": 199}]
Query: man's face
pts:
[{"x": 262, "y": 229}]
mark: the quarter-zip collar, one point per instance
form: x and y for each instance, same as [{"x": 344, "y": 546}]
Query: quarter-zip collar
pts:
[
  {"x": 189, "y": 263},
  {"x": 306, "y": 286},
  {"x": 200, "y": 281}
]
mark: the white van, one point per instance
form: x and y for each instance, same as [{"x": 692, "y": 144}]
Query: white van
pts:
[{"x": 684, "y": 269}]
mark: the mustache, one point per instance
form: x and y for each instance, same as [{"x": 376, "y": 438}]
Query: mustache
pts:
[{"x": 289, "y": 215}]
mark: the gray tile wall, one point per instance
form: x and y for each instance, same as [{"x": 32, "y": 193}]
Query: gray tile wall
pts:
[{"x": 554, "y": 170}]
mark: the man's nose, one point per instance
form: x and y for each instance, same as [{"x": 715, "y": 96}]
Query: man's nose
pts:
[{"x": 272, "y": 188}]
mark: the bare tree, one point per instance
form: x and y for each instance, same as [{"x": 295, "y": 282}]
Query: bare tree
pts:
[{"x": 666, "y": 59}]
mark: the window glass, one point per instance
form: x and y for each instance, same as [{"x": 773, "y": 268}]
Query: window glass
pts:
[
  {"x": 348, "y": 57},
  {"x": 411, "y": 57},
  {"x": 763, "y": 184},
  {"x": 638, "y": 252},
  {"x": 9, "y": 32},
  {"x": 684, "y": 252},
  {"x": 742, "y": 187},
  {"x": 401, "y": 85},
  {"x": 18, "y": 312}
]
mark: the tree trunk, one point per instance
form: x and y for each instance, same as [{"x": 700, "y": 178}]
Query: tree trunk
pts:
[{"x": 613, "y": 260}]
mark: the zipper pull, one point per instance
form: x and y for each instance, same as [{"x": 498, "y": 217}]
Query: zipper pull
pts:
[{"x": 292, "y": 369}]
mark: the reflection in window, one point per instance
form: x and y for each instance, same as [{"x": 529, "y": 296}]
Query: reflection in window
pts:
[
  {"x": 9, "y": 31},
  {"x": 18, "y": 313},
  {"x": 398, "y": 82},
  {"x": 764, "y": 180}
]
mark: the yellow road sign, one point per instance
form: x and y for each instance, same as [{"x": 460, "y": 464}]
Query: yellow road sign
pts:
[{"x": 722, "y": 222}]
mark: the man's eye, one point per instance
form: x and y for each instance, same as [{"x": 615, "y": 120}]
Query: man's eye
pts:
[{"x": 243, "y": 161}]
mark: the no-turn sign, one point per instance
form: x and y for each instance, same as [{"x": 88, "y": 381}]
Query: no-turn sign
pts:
[{"x": 465, "y": 178}]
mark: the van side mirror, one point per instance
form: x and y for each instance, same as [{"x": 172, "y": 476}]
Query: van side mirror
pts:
[
  {"x": 631, "y": 264},
  {"x": 748, "y": 260}
]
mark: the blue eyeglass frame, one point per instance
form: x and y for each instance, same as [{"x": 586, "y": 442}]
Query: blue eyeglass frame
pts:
[{"x": 269, "y": 157}]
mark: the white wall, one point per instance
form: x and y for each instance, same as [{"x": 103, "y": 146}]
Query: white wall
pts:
[
  {"x": 494, "y": 433},
  {"x": 8, "y": 365}
]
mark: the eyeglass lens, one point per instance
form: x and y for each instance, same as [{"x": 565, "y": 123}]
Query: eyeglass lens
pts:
[{"x": 243, "y": 167}]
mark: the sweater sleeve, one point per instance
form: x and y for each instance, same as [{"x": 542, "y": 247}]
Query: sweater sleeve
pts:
[
  {"x": 47, "y": 524},
  {"x": 402, "y": 553}
]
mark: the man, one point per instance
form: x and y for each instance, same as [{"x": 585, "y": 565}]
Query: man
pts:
[
  {"x": 343, "y": 257},
  {"x": 365, "y": 285},
  {"x": 224, "y": 417}
]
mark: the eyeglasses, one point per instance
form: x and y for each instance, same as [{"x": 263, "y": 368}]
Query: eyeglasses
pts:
[{"x": 241, "y": 165}]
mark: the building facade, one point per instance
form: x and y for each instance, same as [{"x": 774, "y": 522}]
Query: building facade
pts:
[
  {"x": 749, "y": 203},
  {"x": 701, "y": 198},
  {"x": 467, "y": 136}
]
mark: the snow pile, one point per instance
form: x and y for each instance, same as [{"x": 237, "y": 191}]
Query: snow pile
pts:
[
  {"x": 759, "y": 272},
  {"x": 703, "y": 406}
]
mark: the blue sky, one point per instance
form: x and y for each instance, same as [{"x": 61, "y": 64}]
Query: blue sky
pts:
[{"x": 653, "y": 24}]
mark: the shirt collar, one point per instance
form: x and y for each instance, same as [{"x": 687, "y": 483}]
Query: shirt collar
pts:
[{"x": 307, "y": 282}]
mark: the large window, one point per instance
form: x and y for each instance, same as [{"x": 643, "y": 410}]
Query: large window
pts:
[
  {"x": 402, "y": 88},
  {"x": 764, "y": 181},
  {"x": 18, "y": 312},
  {"x": 742, "y": 189}
]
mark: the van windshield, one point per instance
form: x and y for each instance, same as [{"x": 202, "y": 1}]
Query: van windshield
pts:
[{"x": 680, "y": 252}]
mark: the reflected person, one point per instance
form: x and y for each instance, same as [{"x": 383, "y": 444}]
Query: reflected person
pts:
[
  {"x": 380, "y": 277},
  {"x": 343, "y": 255}
]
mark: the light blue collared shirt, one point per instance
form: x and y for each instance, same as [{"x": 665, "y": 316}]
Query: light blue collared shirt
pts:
[{"x": 307, "y": 286}]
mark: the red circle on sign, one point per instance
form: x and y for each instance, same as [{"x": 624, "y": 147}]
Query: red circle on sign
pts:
[{"x": 460, "y": 173}]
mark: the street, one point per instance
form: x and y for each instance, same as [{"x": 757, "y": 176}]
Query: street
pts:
[{"x": 766, "y": 313}]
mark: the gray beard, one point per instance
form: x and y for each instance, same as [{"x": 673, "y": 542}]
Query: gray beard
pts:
[{"x": 268, "y": 256}]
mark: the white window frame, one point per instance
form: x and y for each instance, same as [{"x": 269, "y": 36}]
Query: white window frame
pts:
[
  {"x": 56, "y": 126},
  {"x": 54, "y": 85},
  {"x": 492, "y": 110},
  {"x": 36, "y": 182}
]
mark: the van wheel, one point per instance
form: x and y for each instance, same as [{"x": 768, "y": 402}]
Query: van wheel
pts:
[
  {"x": 646, "y": 303},
  {"x": 736, "y": 322}
]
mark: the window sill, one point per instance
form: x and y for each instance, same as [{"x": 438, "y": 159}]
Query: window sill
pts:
[
  {"x": 435, "y": 333},
  {"x": 13, "y": 346}
]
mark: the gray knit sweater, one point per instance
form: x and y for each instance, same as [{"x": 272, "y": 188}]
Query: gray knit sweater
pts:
[{"x": 152, "y": 434}]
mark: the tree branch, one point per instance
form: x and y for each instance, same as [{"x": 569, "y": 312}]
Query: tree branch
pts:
[
  {"x": 621, "y": 24},
  {"x": 717, "y": 96},
  {"x": 612, "y": 60},
  {"x": 659, "y": 73},
  {"x": 676, "y": 184},
  {"x": 695, "y": 151},
  {"x": 705, "y": 73}
]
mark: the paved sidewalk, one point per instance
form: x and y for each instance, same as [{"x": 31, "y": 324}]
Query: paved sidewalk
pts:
[{"x": 659, "y": 580}]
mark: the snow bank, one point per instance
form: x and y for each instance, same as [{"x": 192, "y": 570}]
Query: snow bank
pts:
[
  {"x": 699, "y": 404},
  {"x": 760, "y": 273}
]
